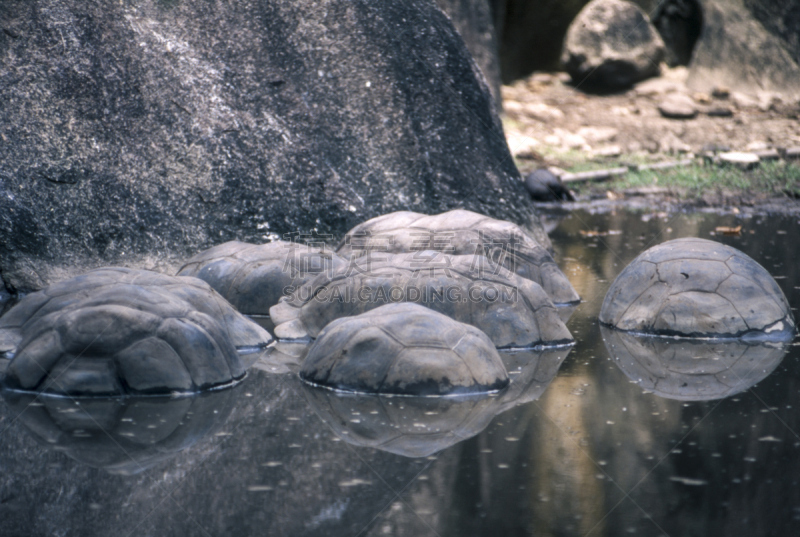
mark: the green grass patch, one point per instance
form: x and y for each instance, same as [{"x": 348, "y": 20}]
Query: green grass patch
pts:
[{"x": 771, "y": 177}]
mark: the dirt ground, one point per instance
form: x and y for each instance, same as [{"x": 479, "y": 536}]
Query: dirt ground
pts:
[{"x": 548, "y": 121}]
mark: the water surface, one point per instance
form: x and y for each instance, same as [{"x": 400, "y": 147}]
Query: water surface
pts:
[{"x": 583, "y": 447}]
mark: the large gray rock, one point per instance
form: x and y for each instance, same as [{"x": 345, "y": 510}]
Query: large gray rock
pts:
[
  {"x": 530, "y": 34},
  {"x": 611, "y": 45},
  {"x": 140, "y": 133},
  {"x": 697, "y": 288},
  {"x": 475, "y": 22},
  {"x": 748, "y": 46}
]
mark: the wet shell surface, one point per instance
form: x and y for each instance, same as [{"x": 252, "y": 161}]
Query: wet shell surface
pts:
[
  {"x": 697, "y": 288},
  {"x": 253, "y": 277},
  {"x": 511, "y": 310},
  {"x": 404, "y": 349},
  {"x": 117, "y": 331},
  {"x": 461, "y": 232}
]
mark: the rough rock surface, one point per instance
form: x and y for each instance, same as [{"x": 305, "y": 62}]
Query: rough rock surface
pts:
[
  {"x": 759, "y": 34},
  {"x": 253, "y": 277},
  {"x": 611, "y": 45},
  {"x": 122, "y": 436},
  {"x": 697, "y": 288},
  {"x": 404, "y": 349},
  {"x": 123, "y": 331},
  {"x": 530, "y": 34},
  {"x": 460, "y": 232},
  {"x": 511, "y": 310},
  {"x": 140, "y": 133},
  {"x": 475, "y": 22},
  {"x": 692, "y": 370}
]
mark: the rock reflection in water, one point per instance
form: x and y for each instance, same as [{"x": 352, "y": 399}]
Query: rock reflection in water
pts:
[
  {"x": 692, "y": 369},
  {"x": 122, "y": 435},
  {"x": 421, "y": 426}
]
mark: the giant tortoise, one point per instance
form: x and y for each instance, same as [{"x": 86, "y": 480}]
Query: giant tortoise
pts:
[
  {"x": 511, "y": 310},
  {"x": 461, "y": 232},
  {"x": 697, "y": 288},
  {"x": 404, "y": 349},
  {"x": 117, "y": 331},
  {"x": 253, "y": 277}
]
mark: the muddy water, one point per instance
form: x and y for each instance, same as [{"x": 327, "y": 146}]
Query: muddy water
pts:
[{"x": 587, "y": 443}]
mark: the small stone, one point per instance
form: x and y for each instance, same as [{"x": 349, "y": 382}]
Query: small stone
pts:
[
  {"x": 678, "y": 106},
  {"x": 702, "y": 98},
  {"x": 768, "y": 154},
  {"x": 542, "y": 112},
  {"x": 672, "y": 144},
  {"x": 521, "y": 146},
  {"x": 741, "y": 159},
  {"x": 792, "y": 153},
  {"x": 608, "y": 151},
  {"x": 598, "y": 135},
  {"x": 715, "y": 148},
  {"x": 720, "y": 92},
  {"x": 658, "y": 86},
  {"x": 744, "y": 101},
  {"x": 719, "y": 111},
  {"x": 757, "y": 146}
]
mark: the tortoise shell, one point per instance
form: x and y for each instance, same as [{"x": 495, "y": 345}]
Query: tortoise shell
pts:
[
  {"x": 404, "y": 349},
  {"x": 121, "y": 331},
  {"x": 511, "y": 310},
  {"x": 461, "y": 232},
  {"x": 253, "y": 277},
  {"x": 697, "y": 288}
]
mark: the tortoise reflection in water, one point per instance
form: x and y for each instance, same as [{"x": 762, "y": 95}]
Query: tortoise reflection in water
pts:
[
  {"x": 692, "y": 369},
  {"x": 421, "y": 426},
  {"x": 120, "y": 331},
  {"x": 408, "y": 426},
  {"x": 121, "y": 435},
  {"x": 697, "y": 288}
]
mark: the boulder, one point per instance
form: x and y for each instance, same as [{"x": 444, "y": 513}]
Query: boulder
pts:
[
  {"x": 474, "y": 21},
  {"x": 611, "y": 45},
  {"x": 530, "y": 34},
  {"x": 138, "y": 134},
  {"x": 759, "y": 34}
]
